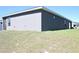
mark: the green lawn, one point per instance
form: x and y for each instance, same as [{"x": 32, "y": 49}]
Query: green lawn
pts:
[{"x": 50, "y": 41}]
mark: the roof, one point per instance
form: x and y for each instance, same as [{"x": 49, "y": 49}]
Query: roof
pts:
[{"x": 32, "y": 9}]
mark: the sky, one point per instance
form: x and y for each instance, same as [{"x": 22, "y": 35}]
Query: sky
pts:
[{"x": 70, "y": 12}]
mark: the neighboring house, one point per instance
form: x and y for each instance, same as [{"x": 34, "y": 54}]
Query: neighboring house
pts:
[
  {"x": 0, "y": 25},
  {"x": 75, "y": 25},
  {"x": 36, "y": 19}
]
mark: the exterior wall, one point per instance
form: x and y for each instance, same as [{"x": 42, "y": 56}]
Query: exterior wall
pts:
[
  {"x": 4, "y": 24},
  {"x": 37, "y": 20},
  {"x": 0, "y": 26},
  {"x": 54, "y": 22},
  {"x": 25, "y": 22}
]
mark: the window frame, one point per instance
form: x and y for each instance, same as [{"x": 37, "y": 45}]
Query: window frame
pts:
[{"x": 54, "y": 17}]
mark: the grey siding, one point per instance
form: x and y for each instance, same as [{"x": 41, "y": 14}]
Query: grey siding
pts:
[
  {"x": 53, "y": 22},
  {"x": 0, "y": 26}
]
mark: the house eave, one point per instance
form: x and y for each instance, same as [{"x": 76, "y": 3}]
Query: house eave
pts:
[{"x": 33, "y": 9}]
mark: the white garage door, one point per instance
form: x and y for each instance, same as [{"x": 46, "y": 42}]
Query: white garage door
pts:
[{"x": 26, "y": 22}]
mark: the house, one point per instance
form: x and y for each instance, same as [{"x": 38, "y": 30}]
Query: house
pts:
[{"x": 36, "y": 19}]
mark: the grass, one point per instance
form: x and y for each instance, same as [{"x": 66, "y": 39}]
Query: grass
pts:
[{"x": 39, "y": 42}]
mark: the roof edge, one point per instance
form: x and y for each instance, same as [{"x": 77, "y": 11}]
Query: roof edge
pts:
[
  {"x": 36, "y": 8},
  {"x": 31, "y": 9}
]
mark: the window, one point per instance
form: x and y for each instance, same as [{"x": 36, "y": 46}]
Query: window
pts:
[
  {"x": 54, "y": 17},
  {"x": 1, "y": 22},
  {"x": 64, "y": 21},
  {"x": 9, "y": 22}
]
